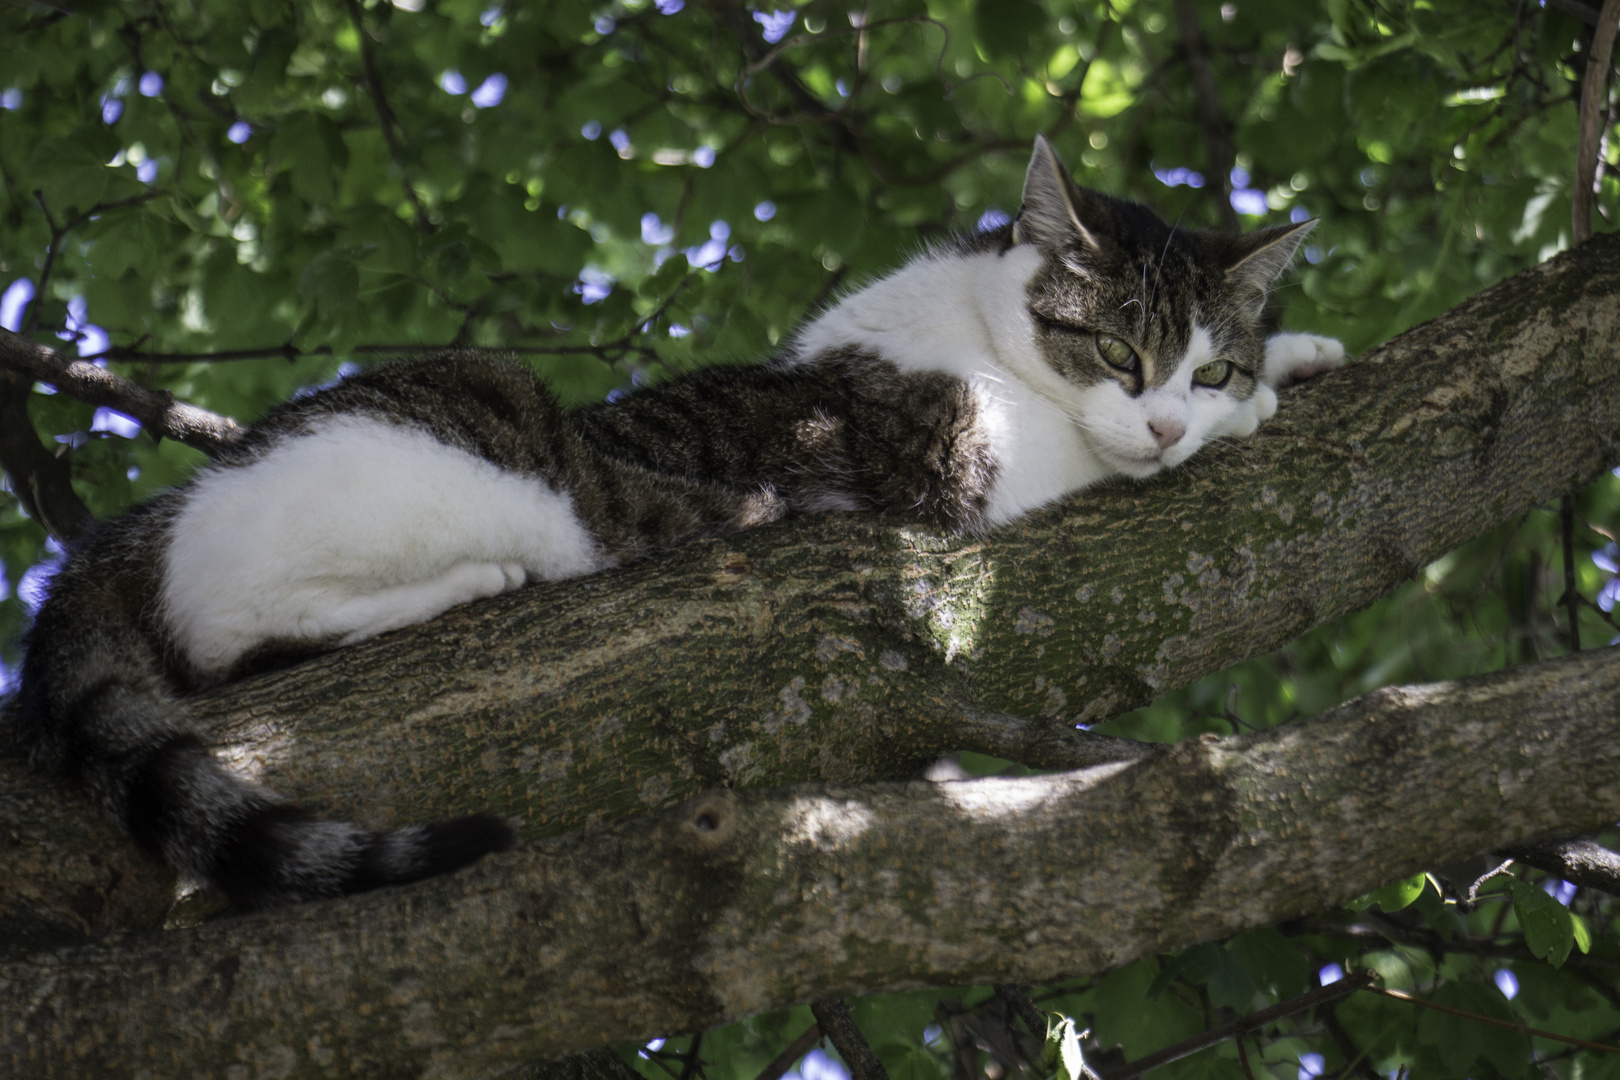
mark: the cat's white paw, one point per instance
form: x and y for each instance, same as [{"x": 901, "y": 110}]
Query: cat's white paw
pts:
[
  {"x": 1293, "y": 358},
  {"x": 1246, "y": 419},
  {"x": 515, "y": 574},
  {"x": 1265, "y": 404}
]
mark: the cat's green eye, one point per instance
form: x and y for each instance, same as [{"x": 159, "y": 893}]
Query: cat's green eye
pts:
[
  {"x": 1213, "y": 374},
  {"x": 1117, "y": 353}
]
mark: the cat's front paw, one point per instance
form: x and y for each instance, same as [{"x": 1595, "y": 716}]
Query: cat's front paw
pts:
[{"x": 1293, "y": 358}]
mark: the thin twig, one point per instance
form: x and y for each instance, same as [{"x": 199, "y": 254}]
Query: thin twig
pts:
[
  {"x": 30, "y": 321},
  {"x": 289, "y": 352},
  {"x": 1243, "y": 1056},
  {"x": 796, "y": 1049},
  {"x": 1355, "y": 1057},
  {"x": 385, "y": 115},
  {"x": 1471, "y": 901},
  {"x": 1606, "y": 616},
  {"x": 1400, "y": 995},
  {"x": 692, "y": 1063},
  {"x": 157, "y": 410},
  {"x": 1572, "y": 601},
  {"x": 1325, "y": 995},
  {"x": 1218, "y": 153}
]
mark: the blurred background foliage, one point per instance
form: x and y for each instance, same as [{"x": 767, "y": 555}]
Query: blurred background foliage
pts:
[{"x": 235, "y": 199}]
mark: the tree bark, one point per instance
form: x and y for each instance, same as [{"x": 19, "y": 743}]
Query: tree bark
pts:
[
  {"x": 850, "y": 649},
  {"x": 839, "y": 649},
  {"x": 741, "y": 901}
]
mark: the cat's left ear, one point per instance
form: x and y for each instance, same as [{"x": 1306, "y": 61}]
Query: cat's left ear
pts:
[
  {"x": 1053, "y": 210},
  {"x": 1259, "y": 258}
]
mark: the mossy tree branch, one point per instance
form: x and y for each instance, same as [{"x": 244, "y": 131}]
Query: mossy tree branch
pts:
[{"x": 849, "y": 650}]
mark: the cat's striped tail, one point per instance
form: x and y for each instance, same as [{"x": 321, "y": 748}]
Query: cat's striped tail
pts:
[{"x": 95, "y": 701}]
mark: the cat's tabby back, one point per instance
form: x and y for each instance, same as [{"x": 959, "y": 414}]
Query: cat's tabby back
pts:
[{"x": 1087, "y": 339}]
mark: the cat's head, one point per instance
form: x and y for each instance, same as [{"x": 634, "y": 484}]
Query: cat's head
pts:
[{"x": 1148, "y": 335}]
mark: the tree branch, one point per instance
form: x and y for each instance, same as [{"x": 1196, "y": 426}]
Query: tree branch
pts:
[
  {"x": 733, "y": 903},
  {"x": 1584, "y": 862},
  {"x": 157, "y": 410},
  {"x": 832, "y": 1017},
  {"x": 1593, "y": 107},
  {"x": 42, "y": 481},
  {"x": 851, "y": 649},
  {"x": 791, "y": 1054},
  {"x": 386, "y": 118}
]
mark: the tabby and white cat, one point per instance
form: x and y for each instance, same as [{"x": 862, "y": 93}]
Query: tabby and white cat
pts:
[{"x": 1088, "y": 339}]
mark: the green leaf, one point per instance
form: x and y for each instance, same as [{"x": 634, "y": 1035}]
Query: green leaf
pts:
[
  {"x": 457, "y": 261},
  {"x": 744, "y": 335},
  {"x": 661, "y": 282},
  {"x": 71, "y": 172},
  {"x": 1274, "y": 963},
  {"x": 1549, "y": 929},
  {"x": 1394, "y": 896},
  {"x": 1122, "y": 1012},
  {"x": 1005, "y": 27},
  {"x": 1193, "y": 964},
  {"x": 266, "y": 71},
  {"x": 1462, "y": 1041},
  {"x": 1061, "y": 1058},
  {"x": 1583, "y": 935},
  {"x": 331, "y": 284},
  {"x": 311, "y": 148},
  {"x": 907, "y": 1059}
]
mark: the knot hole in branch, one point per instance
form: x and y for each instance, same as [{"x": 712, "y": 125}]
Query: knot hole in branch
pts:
[{"x": 707, "y": 824}]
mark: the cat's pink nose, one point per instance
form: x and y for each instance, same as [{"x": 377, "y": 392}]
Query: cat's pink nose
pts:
[{"x": 1167, "y": 432}]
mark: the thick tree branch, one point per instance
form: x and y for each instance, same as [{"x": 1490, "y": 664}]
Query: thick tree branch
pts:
[
  {"x": 738, "y": 902},
  {"x": 157, "y": 410},
  {"x": 849, "y": 649}
]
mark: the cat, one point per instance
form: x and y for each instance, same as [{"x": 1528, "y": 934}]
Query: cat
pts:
[{"x": 1084, "y": 340}]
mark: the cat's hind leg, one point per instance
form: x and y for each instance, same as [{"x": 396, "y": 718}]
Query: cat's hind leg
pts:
[{"x": 370, "y": 613}]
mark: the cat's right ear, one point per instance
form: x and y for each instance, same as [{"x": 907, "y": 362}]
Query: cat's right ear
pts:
[{"x": 1051, "y": 215}]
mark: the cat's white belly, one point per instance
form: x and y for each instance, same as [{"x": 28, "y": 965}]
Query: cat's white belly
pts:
[{"x": 360, "y": 527}]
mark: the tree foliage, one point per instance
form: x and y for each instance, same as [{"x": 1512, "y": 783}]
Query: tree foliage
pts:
[{"x": 232, "y": 200}]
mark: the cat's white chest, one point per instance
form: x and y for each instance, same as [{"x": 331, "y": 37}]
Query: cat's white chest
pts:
[
  {"x": 967, "y": 316},
  {"x": 359, "y": 527}
]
